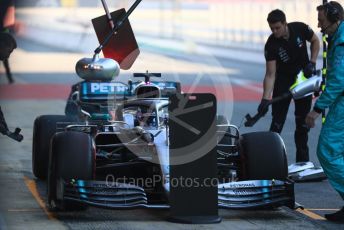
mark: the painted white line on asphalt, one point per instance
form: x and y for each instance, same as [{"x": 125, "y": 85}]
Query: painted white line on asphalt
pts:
[
  {"x": 25, "y": 210},
  {"x": 323, "y": 209}
]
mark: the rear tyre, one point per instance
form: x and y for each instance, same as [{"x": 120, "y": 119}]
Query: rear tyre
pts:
[
  {"x": 71, "y": 157},
  {"x": 43, "y": 130},
  {"x": 264, "y": 156}
]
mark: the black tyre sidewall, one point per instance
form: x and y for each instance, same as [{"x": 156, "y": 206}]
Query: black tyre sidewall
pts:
[
  {"x": 263, "y": 156},
  {"x": 43, "y": 130},
  {"x": 71, "y": 157}
]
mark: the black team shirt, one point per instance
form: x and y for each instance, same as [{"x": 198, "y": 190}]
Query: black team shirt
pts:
[{"x": 290, "y": 54}]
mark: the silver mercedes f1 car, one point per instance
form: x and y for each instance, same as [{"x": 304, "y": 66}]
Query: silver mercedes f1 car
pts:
[
  {"x": 90, "y": 158},
  {"x": 111, "y": 149}
]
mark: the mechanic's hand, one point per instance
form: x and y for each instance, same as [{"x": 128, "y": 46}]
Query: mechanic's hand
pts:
[
  {"x": 263, "y": 107},
  {"x": 309, "y": 69},
  {"x": 310, "y": 118}
]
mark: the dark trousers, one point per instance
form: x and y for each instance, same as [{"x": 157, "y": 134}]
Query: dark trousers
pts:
[
  {"x": 279, "y": 115},
  {"x": 8, "y": 71},
  {"x": 3, "y": 125}
]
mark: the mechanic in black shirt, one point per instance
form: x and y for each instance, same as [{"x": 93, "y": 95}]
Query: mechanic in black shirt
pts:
[
  {"x": 286, "y": 55},
  {"x": 7, "y": 45}
]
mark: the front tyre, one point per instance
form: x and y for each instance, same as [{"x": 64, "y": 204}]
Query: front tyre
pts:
[
  {"x": 43, "y": 130},
  {"x": 264, "y": 156},
  {"x": 71, "y": 157}
]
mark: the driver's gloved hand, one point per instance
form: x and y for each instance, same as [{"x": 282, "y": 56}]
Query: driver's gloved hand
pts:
[
  {"x": 263, "y": 107},
  {"x": 309, "y": 69}
]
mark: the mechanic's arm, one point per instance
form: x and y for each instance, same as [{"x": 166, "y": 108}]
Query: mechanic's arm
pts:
[
  {"x": 334, "y": 87},
  {"x": 269, "y": 79},
  {"x": 315, "y": 47},
  {"x": 335, "y": 80}
]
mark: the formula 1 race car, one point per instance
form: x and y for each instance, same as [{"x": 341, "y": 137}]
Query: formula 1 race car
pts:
[
  {"x": 111, "y": 149},
  {"x": 95, "y": 160}
]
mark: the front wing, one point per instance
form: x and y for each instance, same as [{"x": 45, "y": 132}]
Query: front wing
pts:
[{"x": 234, "y": 195}]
